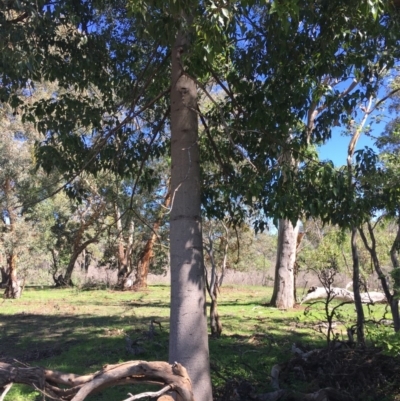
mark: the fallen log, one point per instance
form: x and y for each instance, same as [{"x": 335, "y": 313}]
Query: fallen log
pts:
[
  {"x": 342, "y": 294},
  {"x": 52, "y": 383}
]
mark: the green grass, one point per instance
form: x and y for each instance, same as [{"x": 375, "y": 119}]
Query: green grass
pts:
[{"x": 80, "y": 331}]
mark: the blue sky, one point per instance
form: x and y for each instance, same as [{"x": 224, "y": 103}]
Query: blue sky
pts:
[{"x": 336, "y": 148}]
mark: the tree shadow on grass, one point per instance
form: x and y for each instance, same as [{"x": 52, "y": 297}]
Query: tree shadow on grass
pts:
[
  {"x": 80, "y": 344},
  {"x": 31, "y": 338},
  {"x": 83, "y": 343}
]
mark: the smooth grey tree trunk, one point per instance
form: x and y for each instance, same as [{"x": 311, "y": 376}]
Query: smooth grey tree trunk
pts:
[
  {"x": 188, "y": 342},
  {"x": 283, "y": 295}
]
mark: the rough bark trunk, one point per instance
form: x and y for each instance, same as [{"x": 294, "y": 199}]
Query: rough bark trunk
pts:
[
  {"x": 283, "y": 295},
  {"x": 13, "y": 288},
  {"x": 188, "y": 341},
  {"x": 147, "y": 253},
  {"x": 356, "y": 288}
]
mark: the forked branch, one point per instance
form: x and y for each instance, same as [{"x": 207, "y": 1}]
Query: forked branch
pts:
[{"x": 53, "y": 383}]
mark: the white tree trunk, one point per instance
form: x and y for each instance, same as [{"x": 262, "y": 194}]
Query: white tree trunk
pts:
[
  {"x": 188, "y": 343},
  {"x": 283, "y": 295}
]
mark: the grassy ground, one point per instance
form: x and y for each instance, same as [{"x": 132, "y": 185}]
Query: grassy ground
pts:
[{"x": 79, "y": 331}]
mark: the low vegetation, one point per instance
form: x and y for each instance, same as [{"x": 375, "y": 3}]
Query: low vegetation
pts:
[{"x": 79, "y": 331}]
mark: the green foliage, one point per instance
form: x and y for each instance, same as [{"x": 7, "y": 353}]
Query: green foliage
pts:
[
  {"x": 109, "y": 111},
  {"x": 383, "y": 337},
  {"x": 322, "y": 244}
]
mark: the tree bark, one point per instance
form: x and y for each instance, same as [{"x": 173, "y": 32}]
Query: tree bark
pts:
[
  {"x": 212, "y": 288},
  {"x": 215, "y": 321},
  {"x": 188, "y": 340},
  {"x": 392, "y": 299},
  {"x": 124, "y": 250},
  {"x": 13, "y": 289},
  {"x": 4, "y": 276},
  {"x": 356, "y": 288},
  {"x": 354, "y": 251},
  {"x": 283, "y": 295},
  {"x": 296, "y": 265},
  {"x": 147, "y": 253},
  {"x": 396, "y": 280}
]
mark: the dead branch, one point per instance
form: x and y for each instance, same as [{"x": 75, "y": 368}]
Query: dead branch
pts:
[
  {"x": 151, "y": 394},
  {"x": 5, "y": 390},
  {"x": 342, "y": 294},
  {"x": 49, "y": 382}
]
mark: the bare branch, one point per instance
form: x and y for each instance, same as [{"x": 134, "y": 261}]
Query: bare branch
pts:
[
  {"x": 6, "y": 389},
  {"x": 151, "y": 394}
]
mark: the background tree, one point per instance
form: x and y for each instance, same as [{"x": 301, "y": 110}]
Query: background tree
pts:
[
  {"x": 20, "y": 185},
  {"x": 285, "y": 95},
  {"x": 84, "y": 226}
]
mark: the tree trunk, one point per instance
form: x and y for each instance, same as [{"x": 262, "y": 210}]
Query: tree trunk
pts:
[
  {"x": 188, "y": 340},
  {"x": 354, "y": 251},
  {"x": 215, "y": 321},
  {"x": 124, "y": 251},
  {"x": 212, "y": 288},
  {"x": 296, "y": 265},
  {"x": 356, "y": 288},
  {"x": 392, "y": 299},
  {"x": 67, "y": 279},
  {"x": 4, "y": 276},
  {"x": 283, "y": 295},
  {"x": 13, "y": 289},
  {"x": 78, "y": 249},
  {"x": 396, "y": 280},
  {"x": 147, "y": 253}
]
